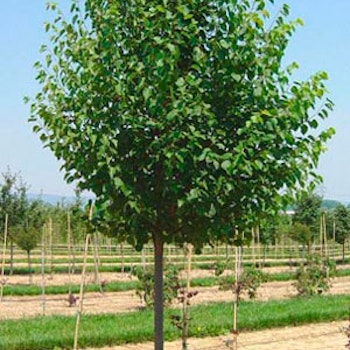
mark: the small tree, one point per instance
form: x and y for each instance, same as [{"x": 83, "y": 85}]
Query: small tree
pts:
[
  {"x": 179, "y": 116},
  {"x": 27, "y": 234},
  {"x": 306, "y": 219},
  {"x": 303, "y": 235},
  {"x": 307, "y": 211},
  {"x": 14, "y": 203},
  {"x": 27, "y": 238},
  {"x": 313, "y": 277},
  {"x": 341, "y": 217}
]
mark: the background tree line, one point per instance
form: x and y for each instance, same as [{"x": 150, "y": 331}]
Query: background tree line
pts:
[{"x": 24, "y": 219}]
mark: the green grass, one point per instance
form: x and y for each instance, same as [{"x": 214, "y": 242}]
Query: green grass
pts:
[
  {"x": 22, "y": 290},
  {"x": 207, "y": 320}
]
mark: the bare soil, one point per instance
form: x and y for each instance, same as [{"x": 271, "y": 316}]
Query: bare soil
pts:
[
  {"x": 18, "y": 307},
  {"x": 325, "y": 336}
]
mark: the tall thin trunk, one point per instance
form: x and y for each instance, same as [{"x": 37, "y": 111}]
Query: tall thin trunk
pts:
[
  {"x": 3, "y": 258},
  {"x": 69, "y": 246},
  {"x": 186, "y": 295},
  {"x": 253, "y": 247},
  {"x": 12, "y": 247},
  {"x": 122, "y": 256},
  {"x": 334, "y": 242},
  {"x": 238, "y": 259},
  {"x": 325, "y": 236},
  {"x": 29, "y": 267},
  {"x": 81, "y": 293},
  {"x": 321, "y": 236},
  {"x": 258, "y": 243},
  {"x": 158, "y": 291},
  {"x": 143, "y": 259},
  {"x": 50, "y": 247},
  {"x": 43, "y": 251}
]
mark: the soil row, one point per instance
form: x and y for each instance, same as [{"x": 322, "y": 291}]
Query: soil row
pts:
[
  {"x": 97, "y": 303},
  {"x": 325, "y": 336}
]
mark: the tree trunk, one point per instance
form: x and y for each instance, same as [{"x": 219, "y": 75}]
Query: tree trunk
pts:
[
  {"x": 343, "y": 251},
  {"x": 185, "y": 304},
  {"x": 158, "y": 291},
  {"x": 29, "y": 267},
  {"x": 122, "y": 256},
  {"x": 12, "y": 246}
]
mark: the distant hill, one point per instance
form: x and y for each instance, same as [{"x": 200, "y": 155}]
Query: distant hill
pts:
[
  {"x": 326, "y": 204},
  {"x": 330, "y": 203},
  {"x": 56, "y": 199}
]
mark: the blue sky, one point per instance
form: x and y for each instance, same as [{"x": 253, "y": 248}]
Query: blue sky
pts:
[{"x": 323, "y": 43}]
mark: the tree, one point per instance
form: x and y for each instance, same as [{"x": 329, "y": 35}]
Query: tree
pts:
[
  {"x": 14, "y": 203},
  {"x": 307, "y": 210},
  {"x": 178, "y": 115},
  {"x": 341, "y": 216},
  {"x": 27, "y": 234},
  {"x": 306, "y": 219}
]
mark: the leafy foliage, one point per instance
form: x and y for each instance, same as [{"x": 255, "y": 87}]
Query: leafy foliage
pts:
[
  {"x": 145, "y": 288},
  {"x": 302, "y": 234},
  {"x": 313, "y": 277},
  {"x": 179, "y": 116},
  {"x": 341, "y": 217},
  {"x": 28, "y": 233},
  {"x": 219, "y": 267},
  {"x": 249, "y": 281},
  {"x": 306, "y": 219},
  {"x": 307, "y": 210},
  {"x": 187, "y": 114},
  {"x": 273, "y": 227},
  {"x": 13, "y": 200}
]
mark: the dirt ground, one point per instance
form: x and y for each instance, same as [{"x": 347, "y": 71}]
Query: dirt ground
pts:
[
  {"x": 59, "y": 279},
  {"x": 18, "y": 307},
  {"x": 328, "y": 336},
  {"x": 325, "y": 336}
]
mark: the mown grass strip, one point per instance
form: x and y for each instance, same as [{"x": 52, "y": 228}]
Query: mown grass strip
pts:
[
  {"x": 22, "y": 290},
  {"x": 26, "y": 290},
  {"x": 207, "y": 320}
]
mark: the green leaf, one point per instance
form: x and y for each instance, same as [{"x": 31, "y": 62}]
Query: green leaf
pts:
[
  {"x": 226, "y": 165},
  {"x": 146, "y": 92}
]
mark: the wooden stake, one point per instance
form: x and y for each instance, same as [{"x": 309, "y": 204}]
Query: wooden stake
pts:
[
  {"x": 69, "y": 253},
  {"x": 81, "y": 294},
  {"x": 276, "y": 242},
  {"x": 143, "y": 259},
  {"x": 325, "y": 235},
  {"x": 43, "y": 271},
  {"x": 97, "y": 279},
  {"x": 321, "y": 235},
  {"x": 3, "y": 258},
  {"x": 334, "y": 241},
  {"x": 50, "y": 248},
  {"x": 122, "y": 256},
  {"x": 253, "y": 246},
  {"x": 258, "y": 242}
]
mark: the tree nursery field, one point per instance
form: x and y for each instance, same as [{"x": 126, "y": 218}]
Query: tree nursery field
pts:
[{"x": 114, "y": 305}]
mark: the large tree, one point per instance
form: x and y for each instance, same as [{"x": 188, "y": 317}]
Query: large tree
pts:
[{"x": 178, "y": 115}]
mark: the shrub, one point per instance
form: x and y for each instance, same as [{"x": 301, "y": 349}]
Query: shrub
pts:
[
  {"x": 145, "y": 288},
  {"x": 313, "y": 276},
  {"x": 248, "y": 281}
]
